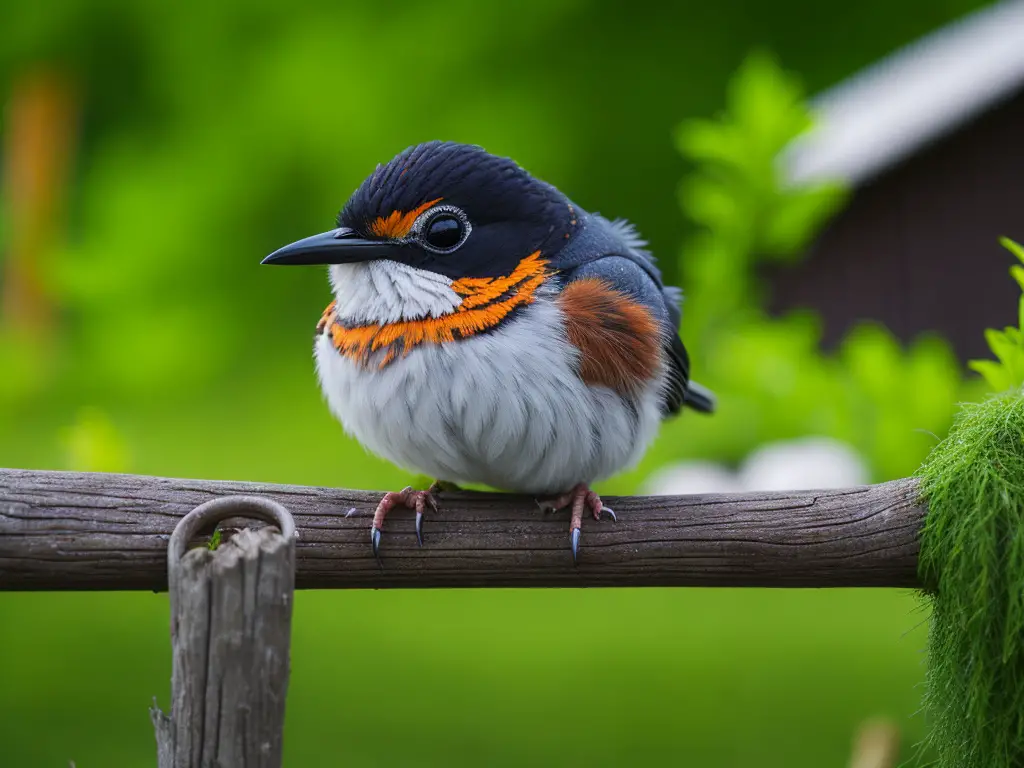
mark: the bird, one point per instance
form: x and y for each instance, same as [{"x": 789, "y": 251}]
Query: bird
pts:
[{"x": 487, "y": 330}]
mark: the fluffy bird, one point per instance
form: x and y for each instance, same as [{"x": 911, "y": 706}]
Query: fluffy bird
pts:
[{"x": 486, "y": 329}]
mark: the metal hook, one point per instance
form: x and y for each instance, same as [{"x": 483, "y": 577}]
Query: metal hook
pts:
[{"x": 213, "y": 512}]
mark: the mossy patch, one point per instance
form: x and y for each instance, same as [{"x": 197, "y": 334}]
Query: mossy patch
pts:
[{"x": 972, "y": 564}]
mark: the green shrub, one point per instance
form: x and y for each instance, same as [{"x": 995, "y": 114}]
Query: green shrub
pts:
[{"x": 972, "y": 560}]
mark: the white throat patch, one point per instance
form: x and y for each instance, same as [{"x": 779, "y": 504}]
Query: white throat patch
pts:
[{"x": 389, "y": 292}]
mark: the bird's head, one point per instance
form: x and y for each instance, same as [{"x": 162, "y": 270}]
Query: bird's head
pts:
[{"x": 444, "y": 208}]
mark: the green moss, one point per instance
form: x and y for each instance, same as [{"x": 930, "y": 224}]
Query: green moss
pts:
[{"x": 972, "y": 563}]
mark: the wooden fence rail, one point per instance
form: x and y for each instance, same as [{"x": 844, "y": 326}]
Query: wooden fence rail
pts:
[{"x": 82, "y": 531}]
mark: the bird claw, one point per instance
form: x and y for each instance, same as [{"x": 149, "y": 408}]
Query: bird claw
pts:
[
  {"x": 375, "y": 541},
  {"x": 420, "y": 501},
  {"x": 578, "y": 499},
  {"x": 576, "y": 532}
]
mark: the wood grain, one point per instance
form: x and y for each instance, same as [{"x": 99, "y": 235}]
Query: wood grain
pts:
[
  {"x": 231, "y": 612},
  {"x": 71, "y": 531}
]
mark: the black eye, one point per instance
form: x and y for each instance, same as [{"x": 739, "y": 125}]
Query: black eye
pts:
[{"x": 444, "y": 232}]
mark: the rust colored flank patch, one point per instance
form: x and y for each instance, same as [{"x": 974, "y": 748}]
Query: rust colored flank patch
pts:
[
  {"x": 619, "y": 339},
  {"x": 486, "y": 301}
]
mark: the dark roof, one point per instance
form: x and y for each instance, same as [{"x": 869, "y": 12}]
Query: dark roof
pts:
[{"x": 880, "y": 116}]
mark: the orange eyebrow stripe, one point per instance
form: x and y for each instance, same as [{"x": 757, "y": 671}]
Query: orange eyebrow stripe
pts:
[
  {"x": 479, "y": 311},
  {"x": 398, "y": 223}
]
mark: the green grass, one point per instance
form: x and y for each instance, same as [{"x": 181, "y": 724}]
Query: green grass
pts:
[
  {"x": 972, "y": 555},
  {"x": 758, "y": 678}
]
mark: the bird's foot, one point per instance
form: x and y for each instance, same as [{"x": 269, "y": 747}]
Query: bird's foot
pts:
[
  {"x": 408, "y": 498},
  {"x": 579, "y": 498}
]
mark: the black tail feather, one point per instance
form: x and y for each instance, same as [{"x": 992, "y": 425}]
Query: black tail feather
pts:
[{"x": 699, "y": 398}]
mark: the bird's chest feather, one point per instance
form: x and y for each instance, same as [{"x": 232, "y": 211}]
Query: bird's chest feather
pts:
[{"x": 504, "y": 404}]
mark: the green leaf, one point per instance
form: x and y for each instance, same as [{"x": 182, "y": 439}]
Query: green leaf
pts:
[
  {"x": 1000, "y": 343},
  {"x": 709, "y": 141},
  {"x": 1017, "y": 272},
  {"x": 993, "y": 373},
  {"x": 764, "y": 98},
  {"x": 796, "y": 219},
  {"x": 1015, "y": 248}
]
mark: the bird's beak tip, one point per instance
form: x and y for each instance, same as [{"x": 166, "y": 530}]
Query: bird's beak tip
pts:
[{"x": 339, "y": 246}]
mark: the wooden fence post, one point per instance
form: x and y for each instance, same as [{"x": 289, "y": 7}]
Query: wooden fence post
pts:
[{"x": 231, "y": 610}]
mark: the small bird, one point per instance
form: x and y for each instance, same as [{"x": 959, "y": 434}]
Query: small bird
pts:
[{"x": 485, "y": 329}]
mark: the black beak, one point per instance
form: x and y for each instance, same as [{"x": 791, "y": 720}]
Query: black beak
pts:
[{"x": 339, "y": 246}]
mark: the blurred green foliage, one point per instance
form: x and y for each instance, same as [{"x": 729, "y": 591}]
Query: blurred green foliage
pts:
[
  {"x": 774, "y": 383},
  {"x": 92, "y": 443},
  {"x": 214, "y": 132},
  {"x": 734, "y": 194},
  {"x": 1008, "y": 344}
]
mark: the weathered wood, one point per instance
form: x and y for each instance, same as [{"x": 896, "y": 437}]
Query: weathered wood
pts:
[
  {"x": 97, "y": 531},
  {"x": 231, "y": 615}
]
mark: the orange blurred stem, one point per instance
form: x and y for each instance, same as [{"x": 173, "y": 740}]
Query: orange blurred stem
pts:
[{"x": 38, "y": 143}]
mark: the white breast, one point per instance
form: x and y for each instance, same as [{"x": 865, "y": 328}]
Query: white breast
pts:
[{"x": 505, "y": 409}]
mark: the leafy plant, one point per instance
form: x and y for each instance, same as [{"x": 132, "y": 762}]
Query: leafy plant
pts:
[
  {"x": 972, "y": 561},
  {"x": 744, "y": 209},
  {"x": 1007, "y": 372}
]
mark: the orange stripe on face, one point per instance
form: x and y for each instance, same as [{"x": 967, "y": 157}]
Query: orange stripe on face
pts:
[
  {"x": 398, "y": 223},
  {"x": 479, "y": 311}
]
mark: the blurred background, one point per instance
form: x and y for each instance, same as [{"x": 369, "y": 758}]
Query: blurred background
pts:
[{"x": 829, "y": 198}]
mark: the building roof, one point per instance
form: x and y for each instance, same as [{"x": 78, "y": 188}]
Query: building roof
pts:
[{"x": 922, "y": 92}]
